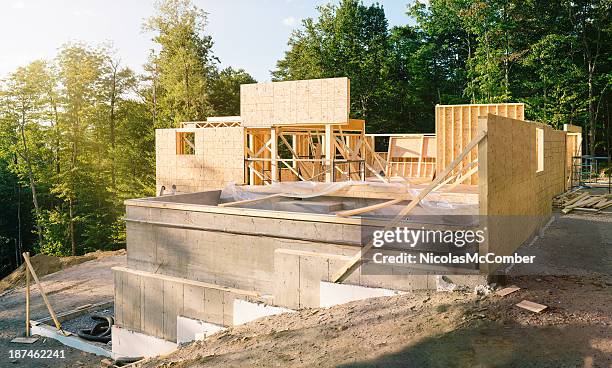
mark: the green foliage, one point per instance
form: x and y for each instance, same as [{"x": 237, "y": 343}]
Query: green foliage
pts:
[
  {"x": 225, "y": 91},
  {"x": 184, "y": 62},
  {"x": 77, "y": 133},
  {"x": 554, "y": 56}
]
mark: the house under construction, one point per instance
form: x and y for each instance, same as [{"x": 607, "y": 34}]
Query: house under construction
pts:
[{"x": 263, "y": 213}]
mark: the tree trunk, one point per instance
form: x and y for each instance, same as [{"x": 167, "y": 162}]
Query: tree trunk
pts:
[
  {"x": 112, "y": 127},
  {"x": 592, "y": 124},
  {"x": 26, "y": 156},
  {"x": 71, "y": 228}
]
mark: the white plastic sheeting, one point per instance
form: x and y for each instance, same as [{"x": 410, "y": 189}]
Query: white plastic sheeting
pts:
[{"x": 434, "y": 204}]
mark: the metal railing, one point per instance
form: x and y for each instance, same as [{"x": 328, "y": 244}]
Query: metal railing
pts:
[{"x": 592, "y": 171}]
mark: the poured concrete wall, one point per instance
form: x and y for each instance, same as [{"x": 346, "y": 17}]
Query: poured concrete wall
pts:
[
  {"x": 218, "y": 159},
  {"x": 150, "y": 303}
]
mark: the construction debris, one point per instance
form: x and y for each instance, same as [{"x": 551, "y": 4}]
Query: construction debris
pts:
[
  {"x": 508, "y": 290},
  {"x": 582, "y": 201},
  {"x": 531, "y": 306},
  {"x": 24, "y": 340}
]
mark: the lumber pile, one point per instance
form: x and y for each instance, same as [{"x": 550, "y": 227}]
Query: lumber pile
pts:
[{"x": 582, "y": 201}]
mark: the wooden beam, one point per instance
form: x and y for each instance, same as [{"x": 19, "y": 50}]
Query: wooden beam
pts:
[
  {"x": 27, "y": 306},
  {"x": 350, "y": 266},
  {"x": 26, "y": 257},
  {"x": 463, "y": 178},
  {"x": 329, "y": 155},
  {"x": 373, "y": 207},
  {"x": 274, "y": 154},
  {"x": 248, "y": 201}
]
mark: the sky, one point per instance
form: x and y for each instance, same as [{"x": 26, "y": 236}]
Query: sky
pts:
[{"x": 248, "y": 34}]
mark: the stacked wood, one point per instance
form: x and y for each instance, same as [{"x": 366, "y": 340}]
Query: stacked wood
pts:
[{"x": 582, "y": 201}]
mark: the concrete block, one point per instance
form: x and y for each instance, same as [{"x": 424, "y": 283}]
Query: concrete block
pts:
[{"x": 286, "y": 279}]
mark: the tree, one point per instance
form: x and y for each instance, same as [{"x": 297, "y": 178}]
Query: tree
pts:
[
  {"x": 184, "y": 63},
  {"x": 80, "y": 74},
  {"x": 27, "y": 102},
  {"x": 347, "y": 40},
  {"x": 225, "y": 90}
]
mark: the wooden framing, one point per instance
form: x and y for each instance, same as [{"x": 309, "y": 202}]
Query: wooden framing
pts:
[
  {"x": 411, "y": 156},
  {"x": 457, "y": 124},
  {"x": 315, "y": 152},
  {"x": 350, "y": 266}
]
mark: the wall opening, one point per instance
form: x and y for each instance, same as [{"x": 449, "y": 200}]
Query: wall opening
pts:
[
  {"x": 540, "y": 149},
  {"x": 185, "y": 143}
]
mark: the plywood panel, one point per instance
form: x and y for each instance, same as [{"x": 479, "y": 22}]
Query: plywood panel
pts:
[
  {"x": 457, "y": 124},
  {"x": 515, "y": 198},
  {"x": 313, "y": 101}
]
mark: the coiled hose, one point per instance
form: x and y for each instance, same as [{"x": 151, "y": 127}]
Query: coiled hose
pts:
[{"x": 101, "y": 332}]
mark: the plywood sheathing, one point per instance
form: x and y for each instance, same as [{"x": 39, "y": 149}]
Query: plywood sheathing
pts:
[
  {"x": 218, "y": 159},
  {"x": 514, "y": 198},
  {"x": 313, "y": 101},
  {"x": 456, "y": 125}
]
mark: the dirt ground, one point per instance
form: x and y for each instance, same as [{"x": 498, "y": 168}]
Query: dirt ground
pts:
[
  {"x": 85, "y": 283},
  {"x": 420, "y": 329},
  {"x": 44, "y": 265}
]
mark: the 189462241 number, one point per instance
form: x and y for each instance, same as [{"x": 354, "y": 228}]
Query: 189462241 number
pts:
[{"x": 36, "y": 354}]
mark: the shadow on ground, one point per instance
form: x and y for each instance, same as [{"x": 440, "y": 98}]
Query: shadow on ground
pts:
[{"x": 489, "y": 344}]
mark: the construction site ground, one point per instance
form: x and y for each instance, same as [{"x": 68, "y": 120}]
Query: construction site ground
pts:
[
  {"x": 88, "y": 282},
  {"x": 418, "y": 329}
]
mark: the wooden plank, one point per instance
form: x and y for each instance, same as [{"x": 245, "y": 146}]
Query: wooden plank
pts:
[
  {"x": 346, "y": 271},
  {"x": 463, "y": 178},
  {"x": 508, "y": 290},
  {"x": 24, "y": 340},
  {"x": 531, "y": 306},
  {"x": 27, "y": 306},
  {"x": 26, "y": 257},
  {"x": 330, "y": 151},
  {"x": 373, "y": 207},
  {"x": 421, "y": 156},
  {"x": 248, "y": 201}
]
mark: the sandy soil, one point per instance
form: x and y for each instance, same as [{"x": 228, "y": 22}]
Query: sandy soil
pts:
[
  {"x": 86, "y": 283},
  {"x": 426, "y": 330}
]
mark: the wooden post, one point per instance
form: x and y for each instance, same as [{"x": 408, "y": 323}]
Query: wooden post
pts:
[
  {"x": 329, "y": 139},
  {"x": 26, "y": 257},
  {"x": 27, "y": 298},
  {"x": 274, "y": 154}
]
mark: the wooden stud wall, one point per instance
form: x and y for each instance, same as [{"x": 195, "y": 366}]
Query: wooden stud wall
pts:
[
  {"x": 412, "y": 156},
  {"x": 313, "y": 101},
  {"x": 456, "y": 125}
]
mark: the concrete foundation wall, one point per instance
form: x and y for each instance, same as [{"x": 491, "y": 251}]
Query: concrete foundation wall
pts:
[
  {"x": 150, "y": 303},
  {"x": 235, "y": 251}
]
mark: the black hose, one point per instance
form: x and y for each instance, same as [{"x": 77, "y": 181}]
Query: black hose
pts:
[{"x": 101, "y": 332}]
